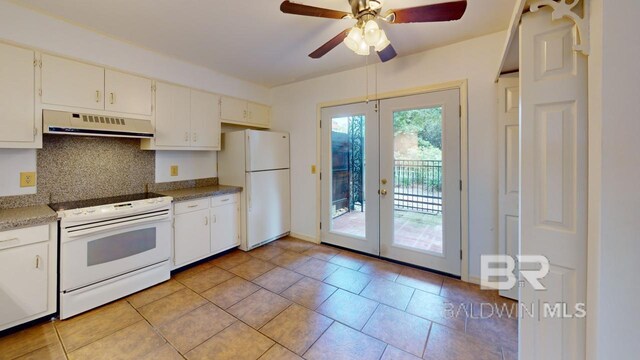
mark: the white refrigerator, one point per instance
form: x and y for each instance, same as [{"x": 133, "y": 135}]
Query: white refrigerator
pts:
[{"x": 258, "y": 161}]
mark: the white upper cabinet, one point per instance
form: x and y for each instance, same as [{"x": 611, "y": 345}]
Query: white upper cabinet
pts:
[
  {"x": 233, "y": 110},
  {"x": 186, "y": 119},
  {"x": 72, "y": 83},
  {"x": 17, "y": 97},
  {"x": 242, "y": 112},
  {"x": 205, "y": 122},
  {"x": 259, "y": 115},
  {"x": 173, "y": 127},
  {"x": 127, "y": 93}
]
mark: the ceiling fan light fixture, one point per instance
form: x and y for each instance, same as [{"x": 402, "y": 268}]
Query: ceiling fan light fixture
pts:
[
  {"x": 354, "y": 39},
  {"x": 372, "y": 33},
  {"x": 363, "y": 48},
  {"x": 383, "y": 42}
]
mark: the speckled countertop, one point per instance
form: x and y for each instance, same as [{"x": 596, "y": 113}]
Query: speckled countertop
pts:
[
  {"x": 26, "y": 216},
  {"x": 200, "y": 192}
]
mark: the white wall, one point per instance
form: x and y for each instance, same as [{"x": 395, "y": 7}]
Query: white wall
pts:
[
  {"x": 614, "y": 226},
  {"x": 12, "y": 163},
  {"x": 294, "y": 110},
  {"x": 191, "y": 165},
  {"x": 32, "y": 29}
]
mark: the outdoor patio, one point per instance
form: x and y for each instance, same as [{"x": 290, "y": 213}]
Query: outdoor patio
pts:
[{"x": 412, "y": 229}]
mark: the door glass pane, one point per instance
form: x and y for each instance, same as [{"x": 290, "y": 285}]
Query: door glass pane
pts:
[
  {"x": 347, "y": 176},
  {"x": 418, "y": 179},
  {"x": 120, "y": 246}
]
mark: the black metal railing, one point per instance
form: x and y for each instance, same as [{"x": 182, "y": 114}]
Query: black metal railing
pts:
[{"x": 418, "y": 186}]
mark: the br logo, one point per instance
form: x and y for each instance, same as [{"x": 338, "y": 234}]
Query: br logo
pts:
[{"x": 498, "y": 272}]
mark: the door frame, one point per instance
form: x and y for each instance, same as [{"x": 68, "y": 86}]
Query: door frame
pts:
[{"x": 462, "y": 86}]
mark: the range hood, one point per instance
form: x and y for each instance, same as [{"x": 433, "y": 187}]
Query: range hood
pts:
[{"x": 63, "y": 122}]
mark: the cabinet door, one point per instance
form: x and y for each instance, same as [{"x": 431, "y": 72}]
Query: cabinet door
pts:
[
  {"x": 17, "y": 94},
  {"x": 205, "y": 120},
  {"x": 24, "y": 282},
  {"x": 225, "y": 227},
  {"x": 259, "y": 114},
  {"x": 71, "y": 83},
  {"x": 172, "y": 115},
  {"x": 191, "y": 236},
  {"x": 233, "y": 109},
  {"x": 127, "y": 93}
]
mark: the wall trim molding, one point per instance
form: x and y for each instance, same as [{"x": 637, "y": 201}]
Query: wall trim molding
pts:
[
  {"x": 305, "y": 237},
  {"x": 564, "y": 9}
]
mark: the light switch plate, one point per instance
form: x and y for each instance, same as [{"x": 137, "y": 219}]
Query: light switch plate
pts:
[
  {"x": 28, "y": 179},
  {"x": 174, "y": 170}
]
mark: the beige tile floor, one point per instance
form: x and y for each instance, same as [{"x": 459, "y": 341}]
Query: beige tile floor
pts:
[{"x": 287, "y": 300}]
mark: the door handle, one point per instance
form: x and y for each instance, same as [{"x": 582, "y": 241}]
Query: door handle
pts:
[{"x": 382, "y": 192}]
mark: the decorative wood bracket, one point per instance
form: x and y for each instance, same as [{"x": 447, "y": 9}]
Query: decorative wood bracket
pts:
[{"x": 564, "y": 9}]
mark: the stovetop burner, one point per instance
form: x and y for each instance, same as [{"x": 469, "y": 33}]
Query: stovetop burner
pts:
[{"x": 80, "y": 204}]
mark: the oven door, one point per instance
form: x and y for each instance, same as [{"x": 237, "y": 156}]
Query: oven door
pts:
[{"x": 96, "y": 252}]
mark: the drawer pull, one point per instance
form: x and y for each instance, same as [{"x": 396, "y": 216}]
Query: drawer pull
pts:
[
  {"x": 192, "y": 206},
  {"x": 224, "y": 200},
  {"x": 37, "y": 261},
  {"x": 9, "y": 240}
]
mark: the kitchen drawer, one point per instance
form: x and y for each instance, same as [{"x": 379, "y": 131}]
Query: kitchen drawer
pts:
[
  {"x": 20, "y": 237},
  {"x": 189, "y": 206},
  {"x": 224, "y": 200}
]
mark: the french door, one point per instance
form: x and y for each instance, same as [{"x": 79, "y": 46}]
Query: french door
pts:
[{"x": 391, "y": 179}]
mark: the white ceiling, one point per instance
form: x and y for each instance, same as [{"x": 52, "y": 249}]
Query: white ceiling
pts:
[{"x": 253, "y": 40}]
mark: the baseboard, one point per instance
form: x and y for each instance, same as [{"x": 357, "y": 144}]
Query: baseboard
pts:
[
  {"x": 305, "y": 237},
  {"x": 474, "y": 280}
]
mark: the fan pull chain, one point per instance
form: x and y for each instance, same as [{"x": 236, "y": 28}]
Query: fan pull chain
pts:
[{"x": 366, "y": 69}]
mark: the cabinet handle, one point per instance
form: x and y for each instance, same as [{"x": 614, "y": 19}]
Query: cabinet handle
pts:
[
  {"x": 192, "y": 206},
  {"x": 97, "y": 96},
  {"x": 195, "y": 137},
  {"x": 206, "y": 220},
  {"x": 245, "y": 114},
  {"x": 224, "y": 200},
  {"x": 186, "y": 136},
  {"x": 8, "y": 240},
  {"x": 113, "y": 98},
  {"x": 37, "y": 261},
  {"x": 214, "y": 220}
]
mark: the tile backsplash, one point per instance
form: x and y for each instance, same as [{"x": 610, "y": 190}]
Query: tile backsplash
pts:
[{"x": 73, "y": 168}]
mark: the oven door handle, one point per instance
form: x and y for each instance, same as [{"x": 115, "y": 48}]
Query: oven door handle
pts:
[{"x": 104, "y": 228}]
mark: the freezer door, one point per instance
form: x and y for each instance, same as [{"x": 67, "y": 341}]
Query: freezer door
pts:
[
  {"x": 268, "y": 205},
  {"x": 267, "y": 150}
]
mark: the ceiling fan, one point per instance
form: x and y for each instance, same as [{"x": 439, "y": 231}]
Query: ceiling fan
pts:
[{"x": 366, "y": 33}]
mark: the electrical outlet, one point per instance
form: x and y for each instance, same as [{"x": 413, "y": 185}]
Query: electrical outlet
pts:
[
  {"x": 313, "y": 169},
  {"x": 174, "y": 170},
  {"x": 27, "y": 179}
]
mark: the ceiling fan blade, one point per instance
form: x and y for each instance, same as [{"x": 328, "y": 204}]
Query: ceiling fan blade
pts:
[
  {"x": 387, "y": 53},
  {"x": 329, "y": 45},
  {"x": 298, "y": 9},
  {"x": 429, "y": 13}
]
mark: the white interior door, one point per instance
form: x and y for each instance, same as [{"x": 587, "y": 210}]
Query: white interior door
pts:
[
  {"x": 509, "y": 170},
  {"x": 350, "y": 164},
  {"x": 420, "y": 202},
  {"x": 553, "y": 183}
]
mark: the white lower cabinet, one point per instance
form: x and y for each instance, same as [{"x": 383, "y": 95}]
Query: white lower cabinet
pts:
[
  {"x": 205, "y": 227},
  {"x": 224, "y": 235},
  {"x": 28, "y": 274}
]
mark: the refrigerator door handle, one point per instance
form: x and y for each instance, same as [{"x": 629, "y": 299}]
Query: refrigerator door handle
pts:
[
  {"x": 248, "y": 192},
  {"x": 248, "y": 165}
]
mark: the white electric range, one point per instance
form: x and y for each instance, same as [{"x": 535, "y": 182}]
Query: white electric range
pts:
[{"x": 112, "y": 247}]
